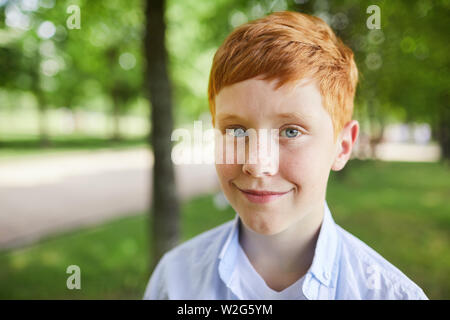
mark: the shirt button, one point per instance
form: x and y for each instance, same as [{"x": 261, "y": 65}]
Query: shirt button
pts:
[{"x": 326, "y": 274}]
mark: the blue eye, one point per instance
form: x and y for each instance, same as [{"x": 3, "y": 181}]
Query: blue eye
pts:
[
  {"x": 291, "y": 133},
  {"x": 237, "y": 132}
]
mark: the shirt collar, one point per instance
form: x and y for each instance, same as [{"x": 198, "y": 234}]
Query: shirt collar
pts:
[
  {"x": 323, "y": 267},
  {"x": 325, "y": 261},
  {"x": 228, "y": 253}
]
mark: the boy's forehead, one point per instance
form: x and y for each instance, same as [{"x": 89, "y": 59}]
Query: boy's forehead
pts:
[{"x": 258, "y": 98}]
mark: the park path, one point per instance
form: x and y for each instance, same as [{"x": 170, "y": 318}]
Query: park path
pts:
[{"x": 51, "y": 194}]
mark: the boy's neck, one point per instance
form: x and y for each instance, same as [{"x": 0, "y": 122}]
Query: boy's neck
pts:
[{"x": 283, "y": 258}]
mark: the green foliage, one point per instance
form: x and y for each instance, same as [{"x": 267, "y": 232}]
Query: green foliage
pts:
[
  {"x": 408, "y": 82},
  {"x": 103, "y": 57}
]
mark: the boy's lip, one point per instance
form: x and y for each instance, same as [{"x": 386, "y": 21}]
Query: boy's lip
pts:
[
  {"x": 262, "y": 192},
  {"x": 261, "y": 196}
]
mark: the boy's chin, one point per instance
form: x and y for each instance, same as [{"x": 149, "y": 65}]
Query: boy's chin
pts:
[{"x": 264, "y": 226}]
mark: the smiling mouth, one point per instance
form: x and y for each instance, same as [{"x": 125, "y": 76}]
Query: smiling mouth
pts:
[{"x": 262, "y": 196}]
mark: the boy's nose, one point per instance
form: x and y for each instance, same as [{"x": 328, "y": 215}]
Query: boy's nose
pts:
[
  {"x": 263, "y": 158},
  {"x": 259, "y": 170}
]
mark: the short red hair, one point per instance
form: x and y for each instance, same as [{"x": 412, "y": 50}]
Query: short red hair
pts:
[{"x": 289, "y": 46}]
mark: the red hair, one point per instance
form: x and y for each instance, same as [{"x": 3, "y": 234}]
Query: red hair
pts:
[{"x": 289, "y": 46}]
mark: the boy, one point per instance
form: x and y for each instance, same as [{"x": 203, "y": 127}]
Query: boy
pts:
[{"x": 289, "y": 72}]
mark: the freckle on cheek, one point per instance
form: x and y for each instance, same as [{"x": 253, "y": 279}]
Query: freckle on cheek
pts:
[{"x": 226, "y": 171}]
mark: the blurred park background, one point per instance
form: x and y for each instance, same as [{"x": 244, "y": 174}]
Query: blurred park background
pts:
[{"x": 80, "y": 119}]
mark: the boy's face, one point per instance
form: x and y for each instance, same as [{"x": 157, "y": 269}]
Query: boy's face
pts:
[{"x": 307, "y": 152}]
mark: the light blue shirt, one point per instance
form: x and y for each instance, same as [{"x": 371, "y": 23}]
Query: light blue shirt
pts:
[
  {"x": 248, "y": 284},
  {"x": 343, "y": 267}
]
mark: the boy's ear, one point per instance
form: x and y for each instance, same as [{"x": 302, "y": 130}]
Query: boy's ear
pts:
[{"x": 345, "y": 141}]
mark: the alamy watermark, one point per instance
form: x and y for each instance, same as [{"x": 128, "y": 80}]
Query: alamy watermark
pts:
[
  {"x": 74, "y": 280},
  {"x": 230, "y": 147},
  {"x": 374, "y": 20},
  {"x": 374, "y": 277},
  {"x": 74, "y": 20}
]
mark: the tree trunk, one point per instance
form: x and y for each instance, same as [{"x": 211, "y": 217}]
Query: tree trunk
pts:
[
  {"x": 165, "y": 207},
  {"x": 116, "y": 119},
  {"x": 43, "y": 130},
  {"x": 442, "y": 129},
  {"x": 41, "y": 103}
]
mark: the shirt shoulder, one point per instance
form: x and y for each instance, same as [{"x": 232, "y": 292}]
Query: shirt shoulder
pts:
[
  {"x": 184, "y": 270},
  {"x": 203, "y": 246},
  {"x": 370, "y": 276}
]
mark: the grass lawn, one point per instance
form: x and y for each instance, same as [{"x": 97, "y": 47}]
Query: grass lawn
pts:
[{"x": 399, "y": 209}]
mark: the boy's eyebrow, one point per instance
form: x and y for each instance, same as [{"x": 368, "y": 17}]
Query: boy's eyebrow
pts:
[
  {"x": 294, "y": 115},
  {"x": 228, "y": 116},
  {"x": 287, "y": 115}
]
